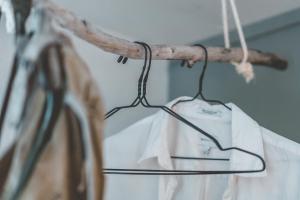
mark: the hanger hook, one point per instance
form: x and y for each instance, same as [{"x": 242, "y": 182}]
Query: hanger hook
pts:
[
  {"x": 145, "y": 80},
  {"x": 201, "y": 80},
  {"x": 142, "y": 83},
  {"x": 141, "y": 78},
  {"x": 139, "y": 97},
  {"x": 123, "y": 60},
  {"x": 204, "y": 67}
]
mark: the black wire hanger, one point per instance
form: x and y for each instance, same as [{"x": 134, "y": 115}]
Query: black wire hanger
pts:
[
  {"x": 141, "y": 99},
  {"x": 201, "y": 80}
]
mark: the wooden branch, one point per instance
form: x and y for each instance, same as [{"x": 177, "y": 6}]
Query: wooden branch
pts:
[{"x": 109, "y": 43}]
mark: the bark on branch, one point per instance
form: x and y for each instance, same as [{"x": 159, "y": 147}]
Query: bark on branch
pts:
[{"x": 109, "y": 43}]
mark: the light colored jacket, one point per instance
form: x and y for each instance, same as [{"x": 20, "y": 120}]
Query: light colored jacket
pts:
[{"x": 70, "y": 165}]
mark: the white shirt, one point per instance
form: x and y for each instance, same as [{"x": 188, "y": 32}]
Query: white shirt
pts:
[{"x": 150, "y": 143}]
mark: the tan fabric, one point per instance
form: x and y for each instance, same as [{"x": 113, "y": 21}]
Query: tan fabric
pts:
[{"x": 60, "y": 171}]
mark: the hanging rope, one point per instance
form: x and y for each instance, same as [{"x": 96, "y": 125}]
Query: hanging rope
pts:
[{"x": 244, "y": 68}]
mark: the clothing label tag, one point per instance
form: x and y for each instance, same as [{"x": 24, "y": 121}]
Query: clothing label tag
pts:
[{"x": 215, "y": 113}]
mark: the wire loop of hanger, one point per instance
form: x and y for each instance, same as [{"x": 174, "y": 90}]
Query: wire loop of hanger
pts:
[
  {"x": 201, "y": 80},
  {"x": 138, "y": 99},
  {"x": 143, "y": 100}
]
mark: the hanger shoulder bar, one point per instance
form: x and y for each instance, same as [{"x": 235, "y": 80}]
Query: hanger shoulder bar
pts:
[{"x": 112, "y": 44}]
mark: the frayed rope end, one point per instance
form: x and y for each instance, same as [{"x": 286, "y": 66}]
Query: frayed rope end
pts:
[{"x": 245, "y": 69}]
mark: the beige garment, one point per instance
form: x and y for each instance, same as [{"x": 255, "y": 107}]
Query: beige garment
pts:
[{"x": 63, "y": 170}]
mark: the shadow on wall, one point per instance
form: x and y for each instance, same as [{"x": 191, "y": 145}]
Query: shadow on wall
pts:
[{"x": 273, "y": 98}]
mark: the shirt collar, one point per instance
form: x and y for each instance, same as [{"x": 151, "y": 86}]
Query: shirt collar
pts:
[{"x": 246, "y": 134}]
